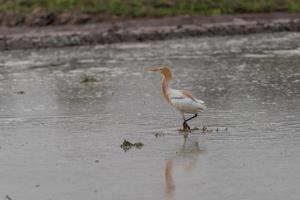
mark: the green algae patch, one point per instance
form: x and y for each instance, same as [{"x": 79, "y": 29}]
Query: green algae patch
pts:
[
  {"x": 126, "y": 145},
  {"x": 138, "y": 145},
  {"x": 87, "y": 79}
]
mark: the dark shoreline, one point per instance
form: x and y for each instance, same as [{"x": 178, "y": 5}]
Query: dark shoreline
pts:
[{"x": 23, "y": 37}]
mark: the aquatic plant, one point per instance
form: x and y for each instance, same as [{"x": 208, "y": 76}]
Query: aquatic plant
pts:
[
  {"x": 126, "y": 145},
  {"x": 87, "y": 79}
]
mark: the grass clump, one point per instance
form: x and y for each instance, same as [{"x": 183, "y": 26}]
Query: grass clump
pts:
[{"x": 151, "y": 8}]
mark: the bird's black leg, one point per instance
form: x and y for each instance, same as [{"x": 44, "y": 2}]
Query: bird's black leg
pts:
[
  {"x": 185, "y": 125},
  {"x": 191, "y": 118}
]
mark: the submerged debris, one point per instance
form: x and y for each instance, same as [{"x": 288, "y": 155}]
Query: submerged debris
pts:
[
  {"x": 204, "y": 129},
  {"x": 158, "y": 135},
  {"x": 87, "y": 79},
  {"x": 20, "y": 92},
  {"x": 207, "y": 130},
  {"x": 126, "y": 145}
]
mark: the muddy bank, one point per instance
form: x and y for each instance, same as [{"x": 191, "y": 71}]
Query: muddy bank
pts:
[{"x": 145, "y": 30}]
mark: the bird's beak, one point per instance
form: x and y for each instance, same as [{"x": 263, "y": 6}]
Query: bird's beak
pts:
[{"x": 153, "y": 69}]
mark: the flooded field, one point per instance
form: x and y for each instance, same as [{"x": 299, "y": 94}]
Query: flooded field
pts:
[{"x": 60, "y": 137}]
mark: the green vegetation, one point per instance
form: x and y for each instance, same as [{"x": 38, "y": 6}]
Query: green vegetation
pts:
[
  {"x": 153, "y": 8},
  {"x": 87, "y": 79},
  {"x": 126, "y": 145}
]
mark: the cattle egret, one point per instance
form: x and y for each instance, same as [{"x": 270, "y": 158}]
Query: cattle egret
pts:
[{"x": 182, "y": 100}]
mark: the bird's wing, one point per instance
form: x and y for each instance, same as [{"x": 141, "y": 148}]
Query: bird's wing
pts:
[
  {"x": 189, "y": 94},
  {"x": 183, "y": 94},
  {"x": 175, "y": 94},
  {"x": 185, "y": 101}
]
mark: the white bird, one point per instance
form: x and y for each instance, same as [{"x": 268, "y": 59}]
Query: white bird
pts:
[{"x": 182, "y": 100}]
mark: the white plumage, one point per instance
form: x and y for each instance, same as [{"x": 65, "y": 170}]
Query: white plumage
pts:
[{"x": 185, "y": 104}]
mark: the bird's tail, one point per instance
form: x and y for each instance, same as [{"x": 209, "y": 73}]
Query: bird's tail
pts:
[{"x": 202, "y": 105}]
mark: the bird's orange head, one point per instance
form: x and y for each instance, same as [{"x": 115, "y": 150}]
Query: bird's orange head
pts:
[{"x": 164, "y": 70}]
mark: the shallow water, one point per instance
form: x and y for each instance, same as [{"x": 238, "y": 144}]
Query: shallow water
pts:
[{"x": 60, "y": 139}]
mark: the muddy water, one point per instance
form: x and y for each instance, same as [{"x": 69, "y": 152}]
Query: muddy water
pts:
[{"x": 60, "y": 138}]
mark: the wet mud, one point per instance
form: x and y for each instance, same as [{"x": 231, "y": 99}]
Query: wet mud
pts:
[{"x": 139, "y": 30}]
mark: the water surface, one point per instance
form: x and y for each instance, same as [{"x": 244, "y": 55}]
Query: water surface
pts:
[{"x": 59, "y": 138}]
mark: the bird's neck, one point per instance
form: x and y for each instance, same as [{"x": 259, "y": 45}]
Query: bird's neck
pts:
[{"x": 165, "y": 88}]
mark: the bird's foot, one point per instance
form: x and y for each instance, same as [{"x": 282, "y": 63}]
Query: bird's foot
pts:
[{"x": 186, "y": 127}]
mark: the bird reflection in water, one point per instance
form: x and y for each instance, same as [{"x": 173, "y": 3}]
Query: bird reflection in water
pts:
[{"x": 186, "y": 159}]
